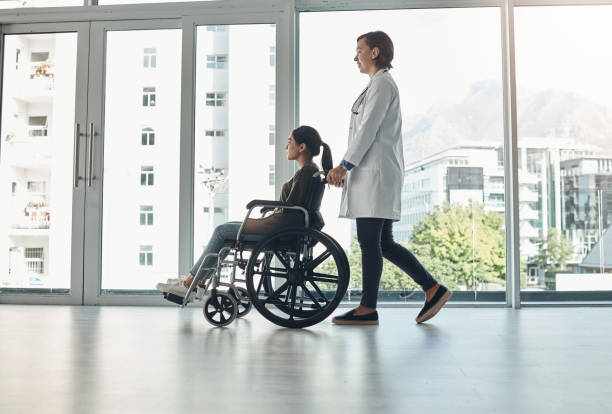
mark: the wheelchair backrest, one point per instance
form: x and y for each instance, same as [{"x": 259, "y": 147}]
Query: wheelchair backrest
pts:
[{"x": 314, "y": 197}]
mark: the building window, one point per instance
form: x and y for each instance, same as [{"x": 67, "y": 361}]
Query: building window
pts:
[
  {"x": 271, "y": 175},
  {"x": 39, "y": 187},
  {"x": 216, "y": 28},
  {"x": 150, "y": 57},
  {"x": 38, "y": 57},
  {"x": 272, "y": 94},
  {"x": 215, "y": 132},
  {"x": 37, "y": 126},
  {"x": 146, "y": 175},
  {"x": 146, "y": 215},
  {"x": 148, "y": 96},
  {"x": 215, "y": 99},
  {"x": 148, "y": 136},
  {"x": 217, "y": 210},
  {"x": 272, "y": 134},
  {"x": 216, "y": 61},
  {"x": 34, "y": 260},
  {"x": 273, "y": 56},
  {"x": 145, "y": 256}
]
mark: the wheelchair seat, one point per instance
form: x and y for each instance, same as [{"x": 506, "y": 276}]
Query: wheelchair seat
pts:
[{"x": 312, "y": 204}]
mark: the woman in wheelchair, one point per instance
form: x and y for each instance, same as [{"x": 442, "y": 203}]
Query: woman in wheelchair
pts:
[{"x": 304, "y": 143}]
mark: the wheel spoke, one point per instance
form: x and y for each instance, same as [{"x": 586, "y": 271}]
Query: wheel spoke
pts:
[
  {"x": 319, "y": 292},
  {"x": 316, "y": 302},
  {"x": 320, "y": 259},
  {"x": 283, "y": 275},
  {"x": 322, "y": 277},
  {"x": 289, "y": 290},
  {"x": 292, "y": 307},
  {"x": 277, "y": 292},
  {"x": 222, "y": 317},
  {"x": 261, "y": 279},
  {"x": 282, "y": 260}
]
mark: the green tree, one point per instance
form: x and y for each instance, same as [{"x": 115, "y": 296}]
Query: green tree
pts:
[
  {"x": 554, "y": 250},
  {"x": 461, "y": 245}
]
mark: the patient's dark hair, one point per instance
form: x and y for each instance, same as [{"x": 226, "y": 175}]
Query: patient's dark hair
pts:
[{"x": 309, "y": 136}]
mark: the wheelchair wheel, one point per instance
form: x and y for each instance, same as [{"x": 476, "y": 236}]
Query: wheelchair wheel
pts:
[
  {"x": 241, "y": 296},
  {"x": 220, "y": 309},
  {"x": 296, "y": 289}
]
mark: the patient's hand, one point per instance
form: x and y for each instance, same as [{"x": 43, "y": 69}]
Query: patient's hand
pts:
[{"x": 335, "y": 176}]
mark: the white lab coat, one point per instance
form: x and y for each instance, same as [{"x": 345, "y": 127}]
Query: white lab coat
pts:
[{"x": 373, "y": 188}]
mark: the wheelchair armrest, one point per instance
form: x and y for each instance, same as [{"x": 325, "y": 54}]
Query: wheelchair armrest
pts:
[
  {"x": 271, "y": 204},
  {"x": 268, "y": 203}
]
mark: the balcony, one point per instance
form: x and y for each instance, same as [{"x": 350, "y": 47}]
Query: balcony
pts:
[
  {"x": 528, "y": 213},
  {"x": 37, "y": 89},
  {"x": 528, "y": 231},
  {"x": 528, "y": 196},
  {"x": 526, "y": 177},
  {"x": 27, "y": 152},
  {"x": 33, "y": 221}
]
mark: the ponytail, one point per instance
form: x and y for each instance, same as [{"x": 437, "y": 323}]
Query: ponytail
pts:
[
  {"x": 326, "y": 159},
  {"x": 309, "y": 136}
]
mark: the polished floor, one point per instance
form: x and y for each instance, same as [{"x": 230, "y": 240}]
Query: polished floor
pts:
[{"x": 61, "y": 359}]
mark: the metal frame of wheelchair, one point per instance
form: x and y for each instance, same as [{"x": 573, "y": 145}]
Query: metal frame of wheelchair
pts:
[{"x": 281, "y": 275}]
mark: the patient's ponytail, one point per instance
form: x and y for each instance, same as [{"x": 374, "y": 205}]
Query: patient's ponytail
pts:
[
  {"x": 326, "y": 158},
  {"x": 308, "y": 135}
]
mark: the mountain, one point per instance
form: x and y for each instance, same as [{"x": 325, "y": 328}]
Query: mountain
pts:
[{"x": 479, "y": 117}]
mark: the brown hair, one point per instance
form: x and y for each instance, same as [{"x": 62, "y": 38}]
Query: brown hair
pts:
[
  {"x": 309, "y": 136},
  {"x": 385, "y": 47}
]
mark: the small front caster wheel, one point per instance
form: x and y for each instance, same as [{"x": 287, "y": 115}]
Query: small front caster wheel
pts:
[
  {"x": 241, "y": 296},
  {"x": 220, "y": 309}
]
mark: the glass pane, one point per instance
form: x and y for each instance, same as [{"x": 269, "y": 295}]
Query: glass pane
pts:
[
  {"x": 135, "y": 175},
  {"x": 232, "y": 104},
  {"x": 12, "y": 4},
  {"x": 565, "y": 154},
  {"x": 447, "y": 66},
  {"x": 107, "y": 2},
  {"x": 36, "y": 164}
]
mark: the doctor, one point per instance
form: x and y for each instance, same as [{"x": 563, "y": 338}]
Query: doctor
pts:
[{"x": 371, "y": 173}]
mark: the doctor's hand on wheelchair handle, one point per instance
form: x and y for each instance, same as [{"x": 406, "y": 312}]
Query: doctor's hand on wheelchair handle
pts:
[{"x": 336, "y": 175}]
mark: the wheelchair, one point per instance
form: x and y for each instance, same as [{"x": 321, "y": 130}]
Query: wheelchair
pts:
[{"x": 295, "y": 277}]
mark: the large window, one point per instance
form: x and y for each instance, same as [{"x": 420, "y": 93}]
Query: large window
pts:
[
  {"x": 141, "y": 175},
  {"x": 448, "y": 69},
  {"x": 36, "y": 159},
  {"x": 231, "y": 164},
  {"x": 563, "y": 65}
]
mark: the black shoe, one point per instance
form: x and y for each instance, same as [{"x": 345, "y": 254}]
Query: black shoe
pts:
[
  {"x": 350, "y": 319},
  {"x": 434, "y": 305}
]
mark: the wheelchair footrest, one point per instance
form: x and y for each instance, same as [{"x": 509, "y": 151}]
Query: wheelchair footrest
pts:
[{"x": 172, "y": 297}]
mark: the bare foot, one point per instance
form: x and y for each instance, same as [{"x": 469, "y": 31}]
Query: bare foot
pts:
[
  {"x": 429, "y": 293},
  {"x": 363, "y": 310}
]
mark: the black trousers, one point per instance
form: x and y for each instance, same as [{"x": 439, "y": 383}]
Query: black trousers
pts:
[{"x": 375, "y": 236}]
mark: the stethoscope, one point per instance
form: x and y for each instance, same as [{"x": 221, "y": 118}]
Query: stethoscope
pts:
[{"x": 360, "y": 98}]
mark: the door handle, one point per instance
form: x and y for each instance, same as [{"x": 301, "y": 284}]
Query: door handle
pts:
[
  {"x": 77, "y": 141},
  {"x": 90, "y": 143}
]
